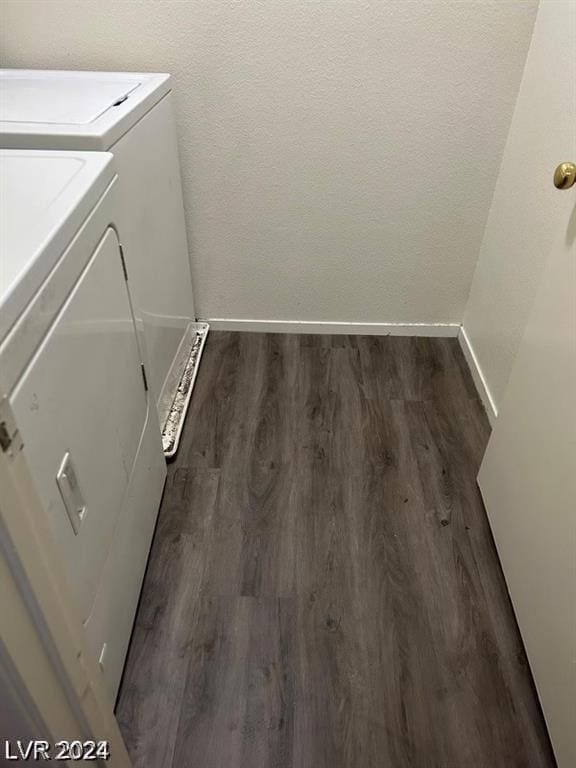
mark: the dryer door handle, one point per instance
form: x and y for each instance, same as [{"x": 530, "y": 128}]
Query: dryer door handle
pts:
[{"x": 67, "y": 482}]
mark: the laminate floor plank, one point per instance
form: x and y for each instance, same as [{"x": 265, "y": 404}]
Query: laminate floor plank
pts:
[
  {"x": 238, "y": 708},
  {"x": 153, "y": 684},
  {"x": 323, "y": 588}
]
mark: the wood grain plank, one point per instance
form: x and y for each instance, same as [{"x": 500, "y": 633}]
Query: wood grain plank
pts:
[
  {"x": 323, "y": 589},
  {"x": 238, "y": 708},
  {"x": 153, "y": 685}
]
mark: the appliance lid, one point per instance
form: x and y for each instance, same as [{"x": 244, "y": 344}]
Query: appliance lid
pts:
[
  {"x": 62, "y": 100},
  {"x": 44, "y": 199},
  {"x": 58, "y": 109}
]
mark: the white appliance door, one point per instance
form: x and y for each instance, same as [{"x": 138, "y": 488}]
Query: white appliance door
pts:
[
  {"x": 528, "y": 482},
  {"x": 82, "y": 396}
]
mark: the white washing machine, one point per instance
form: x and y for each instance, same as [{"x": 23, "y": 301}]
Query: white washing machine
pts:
[
  {"x": 130, "y": 115},
  {"x": 72, "y": 386}
]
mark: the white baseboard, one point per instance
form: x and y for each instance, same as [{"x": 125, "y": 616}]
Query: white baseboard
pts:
[
  {"x": 478, "y": 377},
  {"x": 305, "y": 326}
]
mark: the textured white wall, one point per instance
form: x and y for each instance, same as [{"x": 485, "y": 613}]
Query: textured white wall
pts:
[
  {"x": 527, "y": 212},
  {"x": 339, "y": 157}
]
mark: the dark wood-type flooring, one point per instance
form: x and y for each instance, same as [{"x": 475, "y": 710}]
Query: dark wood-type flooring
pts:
[{"x": 323, "y": 589}]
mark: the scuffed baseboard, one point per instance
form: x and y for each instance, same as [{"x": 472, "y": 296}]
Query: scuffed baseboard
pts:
[
  {"x": 478, "y": 377},
  {"x": 304, "y": 326}
]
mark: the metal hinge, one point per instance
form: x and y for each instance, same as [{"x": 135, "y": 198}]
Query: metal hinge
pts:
[
  {"x": 123, "y": 260},
  {"x": 10, "y": 440},
  {"x": 144, "y": 377}
]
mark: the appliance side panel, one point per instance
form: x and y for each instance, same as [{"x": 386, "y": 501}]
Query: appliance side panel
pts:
[{"x": 153, "y": 235}]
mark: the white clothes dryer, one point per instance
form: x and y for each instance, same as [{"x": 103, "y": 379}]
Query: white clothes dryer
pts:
[
  {"x": 73, "y": 385},
  {"x": 129, "y": 114}
]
